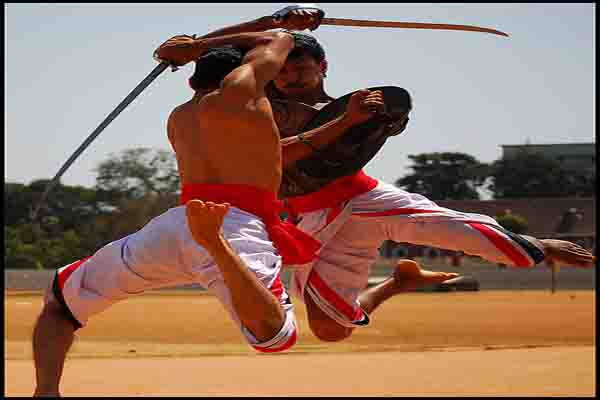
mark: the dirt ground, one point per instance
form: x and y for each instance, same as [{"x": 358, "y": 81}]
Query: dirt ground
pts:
[{"x": 488, "y": 343}]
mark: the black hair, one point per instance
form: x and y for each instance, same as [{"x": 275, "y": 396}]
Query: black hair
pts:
[
  {"x": 214, "y": 65},
  {"x": 305, "y": 44}
]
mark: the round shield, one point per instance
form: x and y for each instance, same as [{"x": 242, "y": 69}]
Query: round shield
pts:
[{"x": 352, "y": 150}]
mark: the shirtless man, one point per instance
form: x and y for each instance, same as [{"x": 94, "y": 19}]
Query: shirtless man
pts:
[
  {"x": 353, "y": 215},
  {"x": 229, "y": 237}
]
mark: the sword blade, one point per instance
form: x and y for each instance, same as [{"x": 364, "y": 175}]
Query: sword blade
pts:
[
  {"x": 408, "y": 25},
  {"x": 120, "y": 107}
]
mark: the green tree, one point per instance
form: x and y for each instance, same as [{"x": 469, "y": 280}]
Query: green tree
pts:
[
  {"x": 18, "y": 202},
  {"x": 444, "y": 176},
  {"x": 73, "y": 205},
  {"x": 512, "y": 222},
  {"x": 141, "y": 183},
  {"x": 75, "y": 221},
  {"x": 531, "y": 174},
  {"x": 138, "y": 172},
  {"x": 131, "y": 215},
  {"x": 31, "y": 246}
]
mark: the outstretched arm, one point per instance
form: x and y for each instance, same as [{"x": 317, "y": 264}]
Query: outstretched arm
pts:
[
  {"x": 257, "y": 25},
  {"x": 182, "y": 49},
  {"x": 293, "y": 20}
]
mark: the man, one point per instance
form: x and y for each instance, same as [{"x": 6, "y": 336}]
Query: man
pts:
[
  {"x": 229, "y": 238},
  {"x": 353, "y": 215}
]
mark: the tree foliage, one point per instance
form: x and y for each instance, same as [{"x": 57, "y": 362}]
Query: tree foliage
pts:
[
  {"x": 444, "y": 176},
  {"x": 75, "y": 221},
  {"x": 531, "y": 174},
  {"x": 138, "y": 172},
  {"x": 513, "y": 222}
]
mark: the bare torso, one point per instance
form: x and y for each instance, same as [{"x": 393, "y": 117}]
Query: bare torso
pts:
[
  {"x": 216, "y": 144},
  {"x": 292, "y": 115}
]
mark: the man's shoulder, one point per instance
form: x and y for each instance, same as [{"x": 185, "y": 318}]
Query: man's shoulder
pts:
[{"x": 195, "y": 105}]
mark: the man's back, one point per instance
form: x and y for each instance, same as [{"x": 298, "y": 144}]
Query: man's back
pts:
[
  {"x": 226, "y": 143},
  {"x": 227, "y": 134}
]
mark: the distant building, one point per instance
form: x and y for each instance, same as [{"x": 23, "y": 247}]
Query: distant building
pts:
[{"x": 572, "y": 156}]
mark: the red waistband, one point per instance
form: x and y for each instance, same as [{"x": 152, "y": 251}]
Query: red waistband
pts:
[
  {"x": 295, "y": 246},
  {"x": 331, "y": 195},
  {"x": 260, "y": 202}
]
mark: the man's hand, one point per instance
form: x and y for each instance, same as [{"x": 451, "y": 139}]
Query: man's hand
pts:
[
  {"x": 205, "y": 221},
  {"x": 363, "y": 105},
  {"x": 563, "y": 252},
  {"x": 178, "y": 50},
  {"x": 298, "y": 20}
]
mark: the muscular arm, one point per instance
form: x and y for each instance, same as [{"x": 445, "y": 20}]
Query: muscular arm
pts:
[
  {"x": 265, "y": 58},
  {"x": 293, "y": 148},
  {"x": 258, "y": 25}
]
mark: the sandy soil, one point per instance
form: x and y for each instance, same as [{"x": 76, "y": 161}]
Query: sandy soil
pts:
[{"x": 527, "y": 343}]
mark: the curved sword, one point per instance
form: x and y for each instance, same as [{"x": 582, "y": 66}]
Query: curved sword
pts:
[
  {"x": 408, "y": 25},
  {"x": 159, "y": 69}
]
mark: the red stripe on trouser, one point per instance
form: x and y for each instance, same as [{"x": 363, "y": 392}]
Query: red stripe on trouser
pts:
[
  {"x": 335, "y": 211},
  {"x": 65, "y": 273},
  {"x": 333, "y": 298},
  {"x": 290, "y": 342},
  {"x": 503, "y": 244},
  {"x": 399, "y": 211},
  {"x": 277, "y": 287}
]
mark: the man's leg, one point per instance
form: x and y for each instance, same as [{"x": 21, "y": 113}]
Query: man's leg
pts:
[
  {"x": 52, "y": 337},
  {"x": 407, "y": 277},
  {"x": 258, "y": 309}
]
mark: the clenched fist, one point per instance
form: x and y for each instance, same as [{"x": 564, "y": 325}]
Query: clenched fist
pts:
[
  {"x": 178, "y": 50},
  {"x": 297, "y": 19},
  {"x": 363, "y": 105}
]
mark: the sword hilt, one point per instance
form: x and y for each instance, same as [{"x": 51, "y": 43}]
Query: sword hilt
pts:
[
  {"x": 161, "y": 61},
  {"x": 281, "y": 15}
]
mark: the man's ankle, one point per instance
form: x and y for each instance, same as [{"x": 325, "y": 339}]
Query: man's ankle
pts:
[{"x": 41, "y": 391}]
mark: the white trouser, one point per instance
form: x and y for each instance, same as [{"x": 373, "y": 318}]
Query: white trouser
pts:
[
  {"x": 163, "y": 253},
  {"x": 351, "y": 244}
]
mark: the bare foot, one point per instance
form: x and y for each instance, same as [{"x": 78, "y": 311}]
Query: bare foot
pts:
[
  {"x": 409, "y": 276},
  {"x": 563, "y": 252},
  {"x": 205, "y": 221}
]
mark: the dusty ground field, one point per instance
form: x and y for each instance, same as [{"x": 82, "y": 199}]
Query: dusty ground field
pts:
[{"x": 420, "y": 344}]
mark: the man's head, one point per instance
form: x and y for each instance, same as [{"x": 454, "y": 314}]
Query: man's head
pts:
[
  {"x": 305, "y": 67},
  {"x": 214, "y": 65}
]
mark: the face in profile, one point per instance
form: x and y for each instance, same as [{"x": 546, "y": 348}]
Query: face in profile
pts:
[{"x": 300, "y": 75}]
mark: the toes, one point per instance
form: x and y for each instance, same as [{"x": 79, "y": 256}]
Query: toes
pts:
[
  {"x": 195, "y": 205},
  {"x": 223, "y": 206}
]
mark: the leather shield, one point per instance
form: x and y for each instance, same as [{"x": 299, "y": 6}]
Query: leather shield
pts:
[{"x": 353, "y": 149}]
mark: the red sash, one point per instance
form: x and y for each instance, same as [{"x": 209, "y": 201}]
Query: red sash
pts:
[
  {"x": 294, "y": 245},
  {"x": 331, "y": 195}
]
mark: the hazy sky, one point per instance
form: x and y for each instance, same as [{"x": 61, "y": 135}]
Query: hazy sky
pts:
[{"x": 68, "y": 65}]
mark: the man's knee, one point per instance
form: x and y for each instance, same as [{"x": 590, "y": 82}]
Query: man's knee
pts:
[
  {"x": 54, "y": 311},
  {"x": 284, "y": 339},
  {"x": 328, "y": 330},
  {"x": 322, "y": 326}
]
